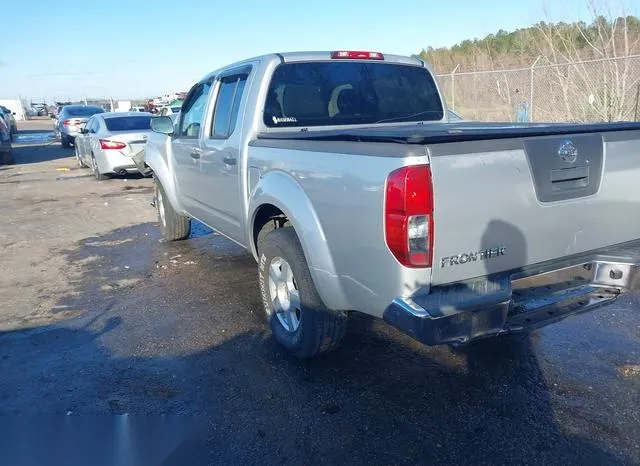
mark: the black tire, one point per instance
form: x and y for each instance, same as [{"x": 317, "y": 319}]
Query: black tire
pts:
[
  {"x": 64, "y": 141},
  {"x": 320, "y": 329},
  {"x": 81, "y": 164},
  {"x": 6, "y": 158},
  {"x": 96, "y": 171},
  {"x": 173, "y": 226}
]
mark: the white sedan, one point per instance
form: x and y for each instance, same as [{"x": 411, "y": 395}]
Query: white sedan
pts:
[{"x": 109, "y": 140}]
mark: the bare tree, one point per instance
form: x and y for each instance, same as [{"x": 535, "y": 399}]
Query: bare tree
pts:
[{"x": 589, "y": 73}]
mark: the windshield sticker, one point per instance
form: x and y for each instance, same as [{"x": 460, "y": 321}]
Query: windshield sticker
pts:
[{"x": 277, "y": 120}]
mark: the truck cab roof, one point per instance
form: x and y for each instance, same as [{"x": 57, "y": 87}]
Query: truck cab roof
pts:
[{"x": 307, "y": 56}]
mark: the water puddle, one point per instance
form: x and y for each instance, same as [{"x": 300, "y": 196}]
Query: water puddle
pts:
[
  {"x": 44, "y": 136},
  {"x": 198, "y": 229}
]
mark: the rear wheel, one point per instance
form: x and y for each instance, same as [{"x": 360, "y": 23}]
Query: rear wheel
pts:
[
  {"x": 173, "y": 226},
  {"x": 299, "y": 320},
  {"x": 6, "y": 158},
  {"x": 64, "y": 141},
  {"x": 96, "y": 170},
  {"x": 81, "y": 164}
]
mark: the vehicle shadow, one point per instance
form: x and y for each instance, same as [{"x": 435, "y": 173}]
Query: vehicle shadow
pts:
[
  {"x": 35, "y": 131},
  {"x": 176, "y": 341},
  {"x": 37, "y": 153},
  {"x": 128, "y": 176}
]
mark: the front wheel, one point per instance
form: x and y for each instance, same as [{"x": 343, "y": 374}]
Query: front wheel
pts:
[
  {"x": 173, "y": 226},
  {"x": 299, "y": 320}
]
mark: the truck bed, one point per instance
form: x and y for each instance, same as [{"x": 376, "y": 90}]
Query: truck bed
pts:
[{"x": 504, "y": 197}]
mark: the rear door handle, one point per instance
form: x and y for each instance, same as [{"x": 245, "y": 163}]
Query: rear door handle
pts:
[
  {"x": 195, "y": 152},
  {"x": 229, "y": 160}
]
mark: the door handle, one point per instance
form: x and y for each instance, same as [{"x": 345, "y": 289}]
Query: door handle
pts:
[
  {"x": 195, "y": 153},
  {"x": 229, "y": 160}
]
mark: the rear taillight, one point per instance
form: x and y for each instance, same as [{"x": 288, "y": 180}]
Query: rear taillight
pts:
[
  {"x": 357, "y": 54},
  {"x": 408, "y": 215},
  {"x": 66, "y": 122},
  {"x": 106, "y": 144}
]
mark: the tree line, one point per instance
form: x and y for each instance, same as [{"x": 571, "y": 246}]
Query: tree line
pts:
[{"x": 554, "y": 42}]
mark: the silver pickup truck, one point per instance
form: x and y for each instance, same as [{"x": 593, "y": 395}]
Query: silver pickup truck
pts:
[{"x": 341, "y": 173}]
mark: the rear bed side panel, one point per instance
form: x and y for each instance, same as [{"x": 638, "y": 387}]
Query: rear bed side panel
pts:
[
  {"x": 346, "y": 191},
  {"x": 492, "y": 201},
  {"x": 279, "y": 189}
]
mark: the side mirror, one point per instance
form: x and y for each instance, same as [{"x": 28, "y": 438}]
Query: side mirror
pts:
[
  {"x": 162, "y": 124},
  {"x": 83, "y": 128}
]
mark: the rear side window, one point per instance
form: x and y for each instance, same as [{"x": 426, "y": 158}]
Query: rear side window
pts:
[
  {"x": 350, "y": 92},
  {"x": 225, "y": 114},
  {"x": 130, "y": 123}
]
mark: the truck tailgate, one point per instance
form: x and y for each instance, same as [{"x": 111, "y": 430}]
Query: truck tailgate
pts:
[{"x": 503, "y": 204}]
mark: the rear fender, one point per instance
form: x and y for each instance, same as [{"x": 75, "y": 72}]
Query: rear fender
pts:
[
  {"x": 160, "y": 163},
  {"x": 282, "y": 191}
]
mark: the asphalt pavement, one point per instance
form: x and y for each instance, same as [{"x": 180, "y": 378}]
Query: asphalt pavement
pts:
[{"x": 99, "y": 316}]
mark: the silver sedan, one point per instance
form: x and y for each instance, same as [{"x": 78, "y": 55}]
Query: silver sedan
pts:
[{"x": 108, "y": 141}]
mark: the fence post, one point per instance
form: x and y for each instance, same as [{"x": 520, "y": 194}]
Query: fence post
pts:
[
  {"x": 531, "y": 90},
  {"x": 453, "y": 87},
  {"x": 635, "y": 112}
]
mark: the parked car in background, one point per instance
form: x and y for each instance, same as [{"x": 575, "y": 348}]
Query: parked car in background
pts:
[
  {"x": 166, "y": 110},
  {"x": 40, "y": 109},
  {"x": 70, "y": 118},
  {"x": 340, "y": 172},
  {"x": 154, "y": 139},
  {"x": 5, "y": 143},
  {"x": 137, "y": 109},
  {"x": 9, "y": 118},
  {"x": 107, "y": 142}
]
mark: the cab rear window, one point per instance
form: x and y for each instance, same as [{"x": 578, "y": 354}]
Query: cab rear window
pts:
[{"x": 350, "y": 92}]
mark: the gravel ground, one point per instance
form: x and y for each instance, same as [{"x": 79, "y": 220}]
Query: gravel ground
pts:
[{"x": 99, "y": 316}]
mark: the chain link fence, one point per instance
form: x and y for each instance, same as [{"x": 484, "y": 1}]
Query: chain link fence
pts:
[{"x": 587, "y": 91}]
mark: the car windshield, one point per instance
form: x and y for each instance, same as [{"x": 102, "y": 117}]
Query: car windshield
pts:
[
  {"x": 341, "y": 93},
  {"x": 82, "y": 111},
  {"x": 128, "y": 123}
]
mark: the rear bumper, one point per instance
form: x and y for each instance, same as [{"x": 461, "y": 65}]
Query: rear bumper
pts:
[
  {"x": 114, "y": 161},
  {"x": 519, "y": 301},
  {"x": 69, "y": 131}
]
